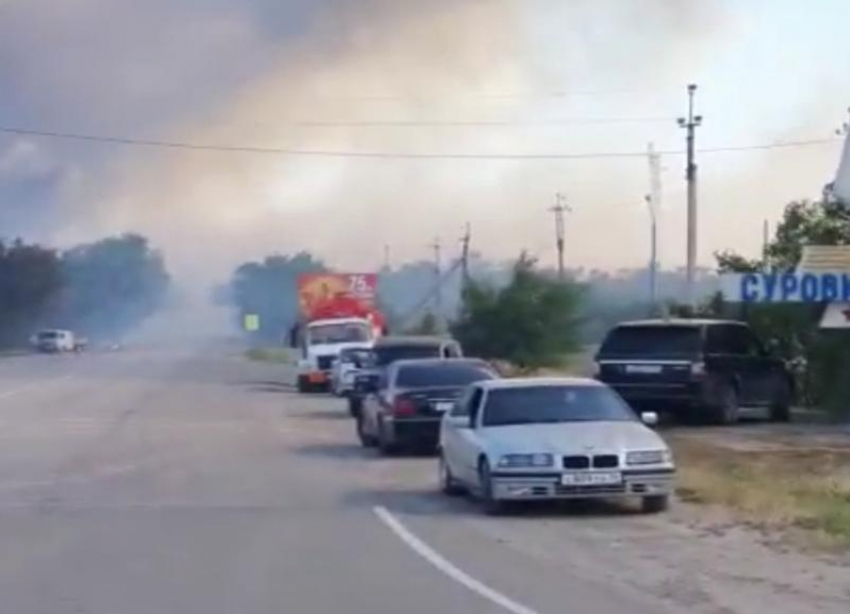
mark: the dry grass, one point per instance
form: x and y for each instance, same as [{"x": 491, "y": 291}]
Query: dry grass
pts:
[
  {"x": 792, "y": 488},
  {"x": 274, "y": 355}
]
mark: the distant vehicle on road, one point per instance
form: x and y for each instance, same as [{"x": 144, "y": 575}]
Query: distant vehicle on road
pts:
[
  {"x": 405, "y": 407},
  {"x": 536, "y": 439},
  {"x": 345, "y": 368},
  {"x": 387, "y": 350},
  {"x": 708, "y": 369},
  {"x": 322, "y": 342},
  {"x": 54, "y": 341}
]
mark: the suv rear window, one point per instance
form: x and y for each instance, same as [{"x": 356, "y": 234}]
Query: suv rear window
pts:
[
  {"x": 441, "y": 375},
  {"x": 651, "y": 342}
]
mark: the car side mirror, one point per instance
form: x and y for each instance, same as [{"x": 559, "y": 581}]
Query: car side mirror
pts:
[{"x": 649, "y": 418}]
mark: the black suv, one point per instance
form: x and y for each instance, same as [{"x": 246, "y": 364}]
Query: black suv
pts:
[
  {"x": 707, "y": 369},
  {"x": 387, "y": 350}
]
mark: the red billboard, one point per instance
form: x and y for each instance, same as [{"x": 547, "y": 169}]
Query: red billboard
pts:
[{"x": 338, "y": 295}]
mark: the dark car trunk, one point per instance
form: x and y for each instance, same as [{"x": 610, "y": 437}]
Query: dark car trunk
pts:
[{"x": 428, "y": 400}]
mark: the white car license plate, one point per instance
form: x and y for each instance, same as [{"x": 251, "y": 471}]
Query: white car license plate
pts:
[
  {"x": 591, "y": 479},
  {"x": 443, "y": 406},
  {"x": 643, "y": 369}
]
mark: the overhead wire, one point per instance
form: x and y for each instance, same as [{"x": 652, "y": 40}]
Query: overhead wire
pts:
[{"x": 167, "y": 144}]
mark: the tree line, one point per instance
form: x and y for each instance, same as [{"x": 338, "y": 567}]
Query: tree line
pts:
[{"x": 100, "y": 289}]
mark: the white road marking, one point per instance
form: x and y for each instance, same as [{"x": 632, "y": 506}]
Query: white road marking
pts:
[
  {"x": 14, "y": 391},
  {"x": 446, "y": 566}
]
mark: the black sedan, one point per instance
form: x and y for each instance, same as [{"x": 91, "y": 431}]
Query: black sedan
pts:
[{"x": 405, "y": 407}]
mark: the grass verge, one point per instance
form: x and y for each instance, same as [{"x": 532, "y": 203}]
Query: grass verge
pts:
[
  {"x": 794, "y": 489},
  {"x": 273, "y": 355}
]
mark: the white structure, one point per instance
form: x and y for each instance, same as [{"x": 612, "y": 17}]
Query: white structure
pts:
[{"x": 841, "y": 185}]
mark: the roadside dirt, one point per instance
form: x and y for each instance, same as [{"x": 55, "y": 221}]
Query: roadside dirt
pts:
[{"x": 700, "y": 559}]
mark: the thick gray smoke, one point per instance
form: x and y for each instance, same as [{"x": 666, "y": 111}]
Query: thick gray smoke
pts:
[{"x": 275, "y": 73}]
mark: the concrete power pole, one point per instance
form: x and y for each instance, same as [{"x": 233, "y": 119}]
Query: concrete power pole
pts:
[
  {"x": 559, "y": 209},
  {"x": 691, "y": 123},
  {"x": 438, "y": 273},
  {"x": 464, "y": 252},
  {"x": 765, "y": 240},
  {"x": 653, "y": 201},
  {"x": 653, "y": 255}
]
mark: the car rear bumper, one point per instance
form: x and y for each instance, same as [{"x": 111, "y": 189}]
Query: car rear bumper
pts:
[
  {"x": 661, "y": 396},
  {"x": 543, "y": 486},
  {"x": 413, "y": 431}
]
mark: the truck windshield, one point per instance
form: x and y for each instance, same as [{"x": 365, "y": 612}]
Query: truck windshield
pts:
[
  {"x": 338, "y": 333},
  {"x": 48, "y": 335}
]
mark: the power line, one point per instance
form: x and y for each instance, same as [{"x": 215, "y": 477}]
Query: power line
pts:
[
  {"x": 366, "y": 123},
  {"x": 162, "y": 144},
  {"x": 530, "y": 95}
]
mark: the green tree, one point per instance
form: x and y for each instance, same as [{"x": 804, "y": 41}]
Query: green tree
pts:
[
  {"x": 269, "y": 289},
  {"x": 30, "y": 283},
  {"x": 111, "y": 285},
  {"x": 532, "y": 322},
  {"x": 794, "y": 325}
]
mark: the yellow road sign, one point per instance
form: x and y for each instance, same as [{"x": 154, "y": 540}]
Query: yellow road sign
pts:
[{"x": 251, "y": 322}]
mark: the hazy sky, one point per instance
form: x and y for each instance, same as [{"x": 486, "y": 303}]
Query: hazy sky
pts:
[{"x": 495, "y": 77}]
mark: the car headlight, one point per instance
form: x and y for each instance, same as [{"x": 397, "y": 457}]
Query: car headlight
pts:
[
  {"x": 648, "y": 457},
  {"x": 526, "y": 460}
]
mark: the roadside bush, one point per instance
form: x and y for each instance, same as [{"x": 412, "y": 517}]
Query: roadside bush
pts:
[{"x": 532, "y": 322}]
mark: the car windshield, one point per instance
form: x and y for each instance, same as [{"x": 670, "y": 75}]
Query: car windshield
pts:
[
  {"x": 443, "y": 374},
  {"x": 552, "y": 404},
  {"x": 48, "y": 335},
  {"x": 651, "y": 342},
  {"x": 338, "y": 333},
  {"x": 384, "y": 356}
]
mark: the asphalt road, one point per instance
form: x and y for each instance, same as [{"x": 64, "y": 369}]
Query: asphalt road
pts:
[{"x": 147, "y": 482}]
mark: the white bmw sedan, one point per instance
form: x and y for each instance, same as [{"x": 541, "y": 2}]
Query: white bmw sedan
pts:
[{"x": 533, "y": 439}]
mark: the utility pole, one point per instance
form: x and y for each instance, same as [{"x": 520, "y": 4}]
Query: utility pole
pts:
[
  {"x": 438, "y": 296},
  {"x": 691, "y": 123},
  {"x": 464, "y": 252},
  {"x": 653, "y": 201},
  {"x": 765, "y": 240},
  {"x": 387, "y": 256},
  {"x": 559, "y": 209},
  {"x": 653, "y": 255}
]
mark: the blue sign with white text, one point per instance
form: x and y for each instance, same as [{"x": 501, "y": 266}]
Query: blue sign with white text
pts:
[{"x": 789, "y": 287}]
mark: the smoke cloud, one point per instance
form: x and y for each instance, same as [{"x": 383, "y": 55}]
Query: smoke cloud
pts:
[{"x": 319, "y": 75}]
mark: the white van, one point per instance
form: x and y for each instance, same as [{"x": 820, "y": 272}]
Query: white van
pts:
[{"x": 55, "y": 341}]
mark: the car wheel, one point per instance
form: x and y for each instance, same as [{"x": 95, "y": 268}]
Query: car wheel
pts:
[
  {"x": 655, "y": 504},
  {"x": 448, "y": 484},
  {"x": 303, "y": 384},
  {"x": 492, "y": 505},
  {"x": 366, "y": 440},
  {"x": 780, "y": 407},
  {"x": 385, "y": 445},
  {"x": 726, "y": 409}
]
